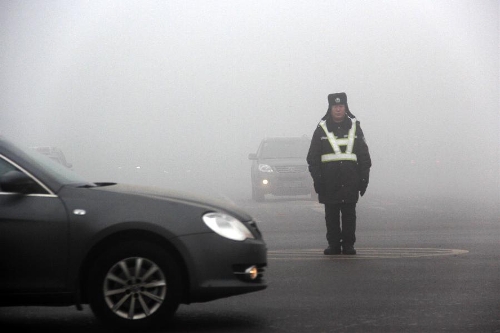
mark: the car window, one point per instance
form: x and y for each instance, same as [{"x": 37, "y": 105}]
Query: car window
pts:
[
  {"x": 33, "y": 188},
  {"x": 284, "y": 149},
  {"x": 5, "y": 167}
]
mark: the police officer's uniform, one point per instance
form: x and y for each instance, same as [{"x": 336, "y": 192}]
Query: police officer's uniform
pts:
[{"x": 339, "y": 163}]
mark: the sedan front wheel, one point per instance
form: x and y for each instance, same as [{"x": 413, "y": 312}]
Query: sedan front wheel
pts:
[{"x": 134, "y": 285}]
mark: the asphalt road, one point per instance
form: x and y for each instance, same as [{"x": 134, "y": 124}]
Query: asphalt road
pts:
[{"x": 422, "y": 266}]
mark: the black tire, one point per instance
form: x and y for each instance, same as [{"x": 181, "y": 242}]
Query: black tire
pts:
[
  {"x": 258, "y": 195},
  {"x": 135, "y": 285}
]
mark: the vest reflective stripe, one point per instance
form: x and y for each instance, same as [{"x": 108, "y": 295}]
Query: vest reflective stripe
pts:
[
  {"x": 341, "y": 142},
  {"x": 338, "y": 157},
  {"x": 335, "y": 143}
]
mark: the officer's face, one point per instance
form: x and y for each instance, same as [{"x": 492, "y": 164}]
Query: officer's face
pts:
[{"x": 338, "y": 112}]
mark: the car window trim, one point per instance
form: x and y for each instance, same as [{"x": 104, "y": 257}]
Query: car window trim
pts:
[{"x": 46, "y": 188}]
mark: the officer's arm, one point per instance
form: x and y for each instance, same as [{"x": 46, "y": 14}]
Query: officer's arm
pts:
[
  {"x": 364, "y": 159},
  {"x": 314, "y": 157}
]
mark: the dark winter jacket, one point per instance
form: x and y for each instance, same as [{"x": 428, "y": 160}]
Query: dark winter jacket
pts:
[{"x": 339, "y": 181}]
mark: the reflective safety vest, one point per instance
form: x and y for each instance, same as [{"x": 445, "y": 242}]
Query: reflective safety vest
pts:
[{"x": 338, "y": 155}]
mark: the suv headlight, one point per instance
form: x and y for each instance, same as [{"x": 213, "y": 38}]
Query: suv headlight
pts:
[
  {"x": 265, "y": 168},
  {"x": 227, "y": 226}
]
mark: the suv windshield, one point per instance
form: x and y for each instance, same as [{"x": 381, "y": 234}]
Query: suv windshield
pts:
[{"x": 285, "y": 149}]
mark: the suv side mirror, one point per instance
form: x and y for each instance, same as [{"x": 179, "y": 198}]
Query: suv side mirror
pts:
[
  {"x": 252, "y": 156},
  {"x": 15, "y": 182}
]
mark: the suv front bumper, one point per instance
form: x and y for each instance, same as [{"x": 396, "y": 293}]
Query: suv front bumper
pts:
[{"x": 284, "y": 184}]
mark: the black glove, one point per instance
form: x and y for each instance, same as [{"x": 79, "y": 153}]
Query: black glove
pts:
[{"x": 363, "y": 184}]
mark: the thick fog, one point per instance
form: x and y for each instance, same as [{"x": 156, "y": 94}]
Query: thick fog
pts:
[{"x": 178, "y": 93}]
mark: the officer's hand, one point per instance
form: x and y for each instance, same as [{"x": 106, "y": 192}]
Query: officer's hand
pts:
[{"x": 363, "y": 184}]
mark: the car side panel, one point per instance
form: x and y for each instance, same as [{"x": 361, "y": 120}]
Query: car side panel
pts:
[
  {"x": 33, "y": 244},
  {"x": 98, "y": 215}
]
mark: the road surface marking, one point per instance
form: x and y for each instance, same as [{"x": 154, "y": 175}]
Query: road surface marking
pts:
[{"x": 363, "y": 253}]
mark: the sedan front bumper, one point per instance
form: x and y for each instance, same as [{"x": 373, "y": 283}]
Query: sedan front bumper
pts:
[{"x": 216, "y": 266}]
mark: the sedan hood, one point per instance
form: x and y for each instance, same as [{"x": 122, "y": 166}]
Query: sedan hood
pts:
[{"x": 220, "y": 204}]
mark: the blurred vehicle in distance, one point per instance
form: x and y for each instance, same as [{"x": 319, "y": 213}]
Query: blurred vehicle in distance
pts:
[
  {"x": 279, "y": 167},
  {"x": 54, "y": 153}
]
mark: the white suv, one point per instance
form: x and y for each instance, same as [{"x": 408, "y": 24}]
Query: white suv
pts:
[{"x": 279, "y": 167}]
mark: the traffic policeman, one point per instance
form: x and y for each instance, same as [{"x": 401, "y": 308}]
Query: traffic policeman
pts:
[{"x": 339, "y": 162}]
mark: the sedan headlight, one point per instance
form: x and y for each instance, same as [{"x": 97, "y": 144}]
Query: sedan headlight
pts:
[
  {"x": 265, "y": 168},
  {"x": 227, "y": 226}
]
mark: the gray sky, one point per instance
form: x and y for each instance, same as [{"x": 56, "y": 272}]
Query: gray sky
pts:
[{"x": 186, "y": 89}]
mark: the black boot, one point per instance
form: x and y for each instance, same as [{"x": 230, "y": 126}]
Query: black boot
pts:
[
  {"x": 348, "y": 249},
  {"x": 332, "y": 250}
]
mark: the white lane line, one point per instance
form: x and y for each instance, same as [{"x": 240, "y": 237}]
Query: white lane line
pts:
[{"x": 363, "y": 253}]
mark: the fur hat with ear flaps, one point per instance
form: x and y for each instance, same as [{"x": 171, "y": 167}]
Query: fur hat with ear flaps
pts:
[{"x": 336, "y": 99}]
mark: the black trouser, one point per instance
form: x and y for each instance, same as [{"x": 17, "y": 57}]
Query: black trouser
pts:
[{"x": 335, "y": 233}]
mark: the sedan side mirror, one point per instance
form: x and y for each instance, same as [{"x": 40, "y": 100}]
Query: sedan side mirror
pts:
[
  {"x": 252, "y": 156},
  {"x": 16, "y": 182}
]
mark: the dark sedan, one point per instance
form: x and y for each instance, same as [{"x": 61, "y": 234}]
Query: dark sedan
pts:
[{"x": 133, "y": 253}]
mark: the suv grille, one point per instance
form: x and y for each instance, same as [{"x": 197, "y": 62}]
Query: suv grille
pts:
[{"x": 291, "y": 169}]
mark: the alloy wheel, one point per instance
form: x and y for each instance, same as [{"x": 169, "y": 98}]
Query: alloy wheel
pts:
[{"x": 135, "y": 288}]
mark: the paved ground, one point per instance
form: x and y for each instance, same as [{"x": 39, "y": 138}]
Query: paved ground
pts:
[{"x": 422, "y": 266}]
